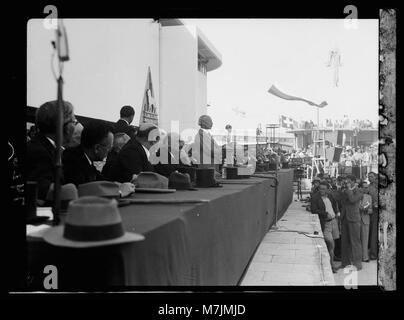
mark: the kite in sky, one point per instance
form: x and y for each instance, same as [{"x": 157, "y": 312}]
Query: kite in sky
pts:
[{"x": 276, "y": 92}]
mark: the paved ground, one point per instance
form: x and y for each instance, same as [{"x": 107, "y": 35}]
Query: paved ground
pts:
[{"x": 287, "y": 258}]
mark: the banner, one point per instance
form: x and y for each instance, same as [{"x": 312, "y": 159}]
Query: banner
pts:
[
  {"x": 276, "y": 92},
  {"x": 149, "y": 107}
]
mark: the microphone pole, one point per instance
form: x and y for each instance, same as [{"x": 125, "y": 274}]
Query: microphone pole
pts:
[{"x": 62, "y": 50}]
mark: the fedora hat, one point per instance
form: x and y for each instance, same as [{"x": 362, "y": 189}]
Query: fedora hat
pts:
[
  {"x": 91, "y": 222},
  {"x": 105, "y": 189},
  {"x": 180, "y": 181},
  {"x": 152, "y": 182},
  {"x": 68, "y": 192},
  {"x": 205, "y": 178},
  {"x": 190, "y": 170}
]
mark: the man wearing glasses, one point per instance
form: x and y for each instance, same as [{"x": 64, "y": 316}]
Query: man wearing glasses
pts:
[{"x": 96, "y": 142}]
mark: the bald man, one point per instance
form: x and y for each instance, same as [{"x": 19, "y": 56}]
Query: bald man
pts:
[{"x": 134, "y": 156}]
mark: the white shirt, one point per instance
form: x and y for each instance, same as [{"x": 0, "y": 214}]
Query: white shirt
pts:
[
  {"x": 88, "y": 159},
  {"x": 147, "y": 151},
  {"x": 328, "y": 205},
  {"x": 53, "y": 143}
]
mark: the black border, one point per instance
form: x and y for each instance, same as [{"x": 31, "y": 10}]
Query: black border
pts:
[{"x": 16, "y": 107}]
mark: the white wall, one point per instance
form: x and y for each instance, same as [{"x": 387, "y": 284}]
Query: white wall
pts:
[
  {"x": 201, "y": 93},
  {"x": 108, "y": 66},
  {"x": 178, "y": 76}
]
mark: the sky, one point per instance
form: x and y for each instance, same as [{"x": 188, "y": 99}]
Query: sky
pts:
[{"x": 293, "y": 56}]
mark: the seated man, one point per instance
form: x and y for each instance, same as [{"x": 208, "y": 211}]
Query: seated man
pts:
[
  {"x": 120, "y": 139},
  {"x": 96, "y": 142},
  {"x": 41, "y": 150},
  {"x": 168, "y": 157},
  {"x": 134, "y": 156}
]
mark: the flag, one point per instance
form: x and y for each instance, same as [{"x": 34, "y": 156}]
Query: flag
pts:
[
  {"x": 276, "y": 92},
  {"x": 286, "y": 122},
  {"x": 149, "y": 107}
]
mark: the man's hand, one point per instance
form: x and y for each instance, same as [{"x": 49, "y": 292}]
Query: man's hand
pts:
[
  {"x": 134, "y": 179},
  {"x": 330, "y": 215},
  {"x": 126, "y": 189}
]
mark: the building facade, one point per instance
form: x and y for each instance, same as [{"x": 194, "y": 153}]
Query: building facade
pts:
[{"x": 109, "y": 65}]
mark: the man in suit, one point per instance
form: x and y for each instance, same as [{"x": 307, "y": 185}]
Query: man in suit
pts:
[
  {"x": 120, "y": 139},
  {"x": 123, "y": 124},
  {"x": 206, "y": 153},
  {"x": 41, "y": 150},
  {"x": 365, "y": 209},
  {"x": 324, "y": 205},
  {"x": 134, "y": 156},
  {"x": 96, "y": 142},
  {"x": 351, "y": 224}
]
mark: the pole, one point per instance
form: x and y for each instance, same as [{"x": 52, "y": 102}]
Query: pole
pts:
[{"x": 58, "y": 156}]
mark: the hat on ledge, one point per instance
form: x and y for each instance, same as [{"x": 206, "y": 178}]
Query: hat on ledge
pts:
[
  {"x": 91, "y": 222},
  {"x": 152, "y": 182},
  {"x": 180, "y": 181},
  {"x": 105, "y": 189}
]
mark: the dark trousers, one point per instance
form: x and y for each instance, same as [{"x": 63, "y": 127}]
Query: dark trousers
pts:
[
  {"x": 374, "y": 233},
  {"x": 337, "y": 249},
  {"x": 351, "y": 246}
]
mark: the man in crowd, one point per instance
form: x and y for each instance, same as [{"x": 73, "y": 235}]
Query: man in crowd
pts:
[
  {"x": 351, "y": 224},
  {"x": 324, "y": 205},
  {"x": 134, "y": 156},
  {"x": 76, "y": 137},
  {"x": 96, "y": 142},
  {"x": 123, "y": 124},
  {"x": 120, "y": 139},
  {"x": 41, "y": 150},
  {"x": 374, "y": 218},
  {"x": 365, "y": 208}
]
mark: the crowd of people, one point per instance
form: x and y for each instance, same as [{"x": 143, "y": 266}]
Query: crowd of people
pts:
[
  {"x": 123, "y": 149},
  {"x": 344, "y": 123},
  {"x": 348, "y": 212}
]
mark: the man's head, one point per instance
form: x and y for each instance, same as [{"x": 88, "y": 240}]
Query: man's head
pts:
[
  {"x": 350, "y": 180},
  {"x": 365, "y": 187},
  {"x": 205, "y": 122},
  {"x": 97, "y": 139},
  {"x": 372, "y": 177},
  {"x": 127, "y": 113},
  {"x": 148, "y": 134},
  {"x": 323, "y": 188},
  {"x": 316, "y": 182},
  {"x": 120, "y": 139},
  {"x": 76, "y": 137},
  {"x": 46, "y": 118}
]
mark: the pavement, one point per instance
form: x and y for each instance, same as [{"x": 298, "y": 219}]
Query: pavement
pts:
[{"x": 291, "y": 254}]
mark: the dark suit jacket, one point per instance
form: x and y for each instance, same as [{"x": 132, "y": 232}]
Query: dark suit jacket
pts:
[
  {"x": 40, "y": 164},
  {"x": 123, "y": 126},
  {"x": 77, "y": 169},
  {"x": 132, "y": 159},
  {"x": 350, "y": 205},
  {"x": 318, "y": 207}
]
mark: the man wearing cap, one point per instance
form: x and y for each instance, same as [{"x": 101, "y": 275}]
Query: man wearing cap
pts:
[
  {"x": 134, "y": 156},
  {"x": 41, "y": 150},
  {"x": 205, "y": 150},
  {"x": 127, "y": 114}
]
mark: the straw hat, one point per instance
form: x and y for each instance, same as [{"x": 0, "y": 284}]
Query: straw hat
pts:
[{"x": 91, "y": 222}]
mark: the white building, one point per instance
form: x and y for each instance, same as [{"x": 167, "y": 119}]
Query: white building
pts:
[{"x": 109, "y": 61}]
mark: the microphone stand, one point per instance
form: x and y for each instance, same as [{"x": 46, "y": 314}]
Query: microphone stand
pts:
[{"x": 58, "y": 157}]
